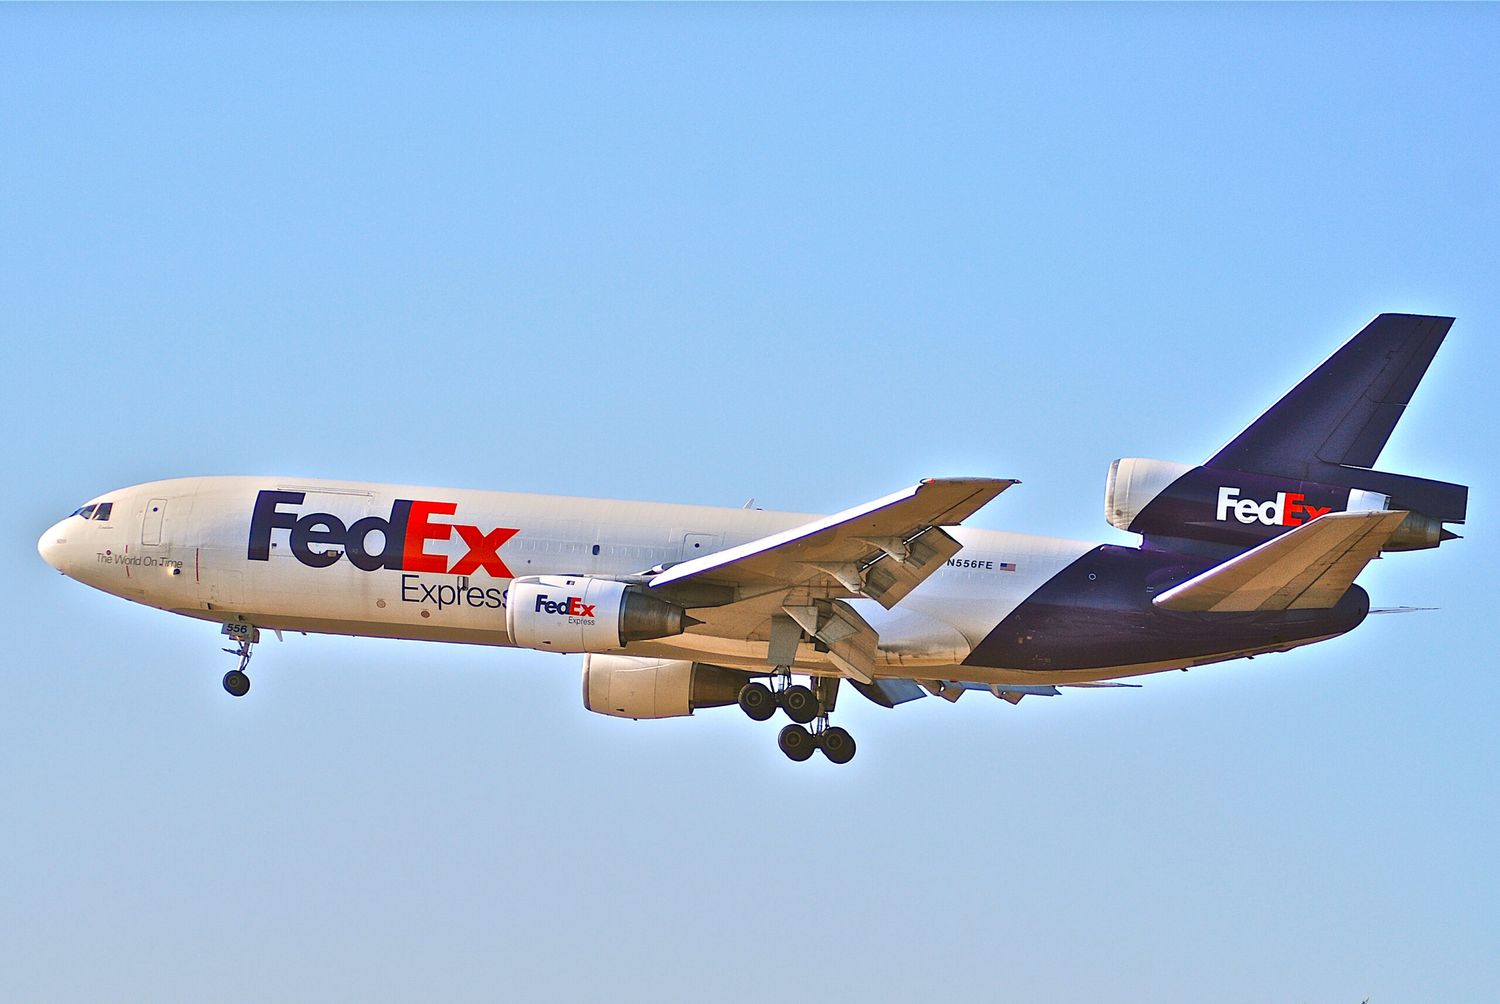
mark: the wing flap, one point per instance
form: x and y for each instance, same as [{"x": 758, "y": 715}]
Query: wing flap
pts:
[
  {"x": 850, "y": 640},
  {"x": 1307, "y": 568},
  {"x": 883, "y": 549},
  {"x": 889, "y": 692},
  {"x": 888, "y": 582}
]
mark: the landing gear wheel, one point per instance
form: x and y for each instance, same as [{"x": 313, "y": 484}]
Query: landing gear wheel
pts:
[
  {"x": 800, "y": 704},
  {"x": 757, "y": 701},
  {"x": 796, "y": 742},
  {"x": 837, "y": 744},
  {"x": 237, "y": 683}
]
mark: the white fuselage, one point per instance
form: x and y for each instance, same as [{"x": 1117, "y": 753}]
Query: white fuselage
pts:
[{"x": 189, "y": 546}]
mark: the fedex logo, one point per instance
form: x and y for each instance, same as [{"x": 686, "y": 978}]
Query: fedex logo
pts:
[
  {"x": 404, "y": 536},
  {"x": 573, "y": 606},
  {"x": 1287, "y": 509}
]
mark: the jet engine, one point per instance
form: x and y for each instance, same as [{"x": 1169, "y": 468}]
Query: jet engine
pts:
[
  {"x": 570, "y": 613},
  {"x": 1160, "y": 498},
  {"x": 625, "y": 686}
]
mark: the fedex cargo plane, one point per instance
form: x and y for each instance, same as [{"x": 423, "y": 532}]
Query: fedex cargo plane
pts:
[{"x": 678, "y": 607}]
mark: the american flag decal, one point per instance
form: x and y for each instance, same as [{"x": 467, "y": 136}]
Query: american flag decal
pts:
[{"x": 1006, "y": 566}]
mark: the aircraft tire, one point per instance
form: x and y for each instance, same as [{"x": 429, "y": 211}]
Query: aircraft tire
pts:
[
  {"x": 800, "y": 704},
  {"x": 236, "y": 683},
  {"x": 757, "y": 701},
  {"x": 796, "y": 742},
  {"x": 837, "y": 745}
]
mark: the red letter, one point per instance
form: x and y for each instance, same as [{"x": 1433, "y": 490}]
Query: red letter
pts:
[
  {"x": 1293, "y": 503},
  {"x": 419, "y": 531},
  {"x": 482, "y": 548}
]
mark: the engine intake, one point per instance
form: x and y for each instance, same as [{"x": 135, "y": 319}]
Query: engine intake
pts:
[{"x": 568, "y": 613}]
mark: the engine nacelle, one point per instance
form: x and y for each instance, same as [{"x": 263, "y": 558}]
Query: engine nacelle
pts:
[
  {"x": 1157, "y": 497},
  {"x": 577, "y": 613},
  {"x": 1134, "y": 484},
  {"x": 625, "y": 686}
]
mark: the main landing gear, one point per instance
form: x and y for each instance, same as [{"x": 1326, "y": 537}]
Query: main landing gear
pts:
[
  {"x": 236, "y": 682},
  {"x": 804, "y": 706}
]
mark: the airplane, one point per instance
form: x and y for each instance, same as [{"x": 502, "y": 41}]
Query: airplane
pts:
[{"x": 677, "y": 608}]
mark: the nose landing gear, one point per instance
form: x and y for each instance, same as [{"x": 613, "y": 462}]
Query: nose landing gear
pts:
[
  {"x": 804, "y": 706},
  {"x": 236, "y": 682}
]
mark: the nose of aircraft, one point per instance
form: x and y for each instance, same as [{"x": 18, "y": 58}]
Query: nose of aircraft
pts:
[{"x": 52, "y": 546}]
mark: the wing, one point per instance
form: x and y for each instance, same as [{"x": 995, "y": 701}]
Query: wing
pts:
[
  {"x": 881, "y": 550},
  {"x": 1310, "y": 567}
]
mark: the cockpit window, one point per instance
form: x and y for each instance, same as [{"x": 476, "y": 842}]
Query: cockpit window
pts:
[
  {"x": 87, "y": 512},
  {"x": 103, "y": 509}
]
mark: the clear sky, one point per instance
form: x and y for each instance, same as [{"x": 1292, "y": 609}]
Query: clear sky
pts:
[{"x": 805, "y": 254}]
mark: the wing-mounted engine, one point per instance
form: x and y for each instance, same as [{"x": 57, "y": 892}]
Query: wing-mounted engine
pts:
[
  {"x": 624, "y": 686},
  {"x": 573, "y": 613}
]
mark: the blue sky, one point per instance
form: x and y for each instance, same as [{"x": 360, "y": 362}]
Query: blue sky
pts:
[{"x": 805, "y": 254}]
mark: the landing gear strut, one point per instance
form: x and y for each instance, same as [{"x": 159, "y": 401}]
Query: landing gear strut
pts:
[
  {"x": 236, "y": 682},
  {"x": 803, "y": 705}
]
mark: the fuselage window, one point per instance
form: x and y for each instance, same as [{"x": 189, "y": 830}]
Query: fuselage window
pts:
[{"x": 103, "y": 510}]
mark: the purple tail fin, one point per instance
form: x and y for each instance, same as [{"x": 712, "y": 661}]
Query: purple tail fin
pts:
[
  {"x": 1310, "y": 454},
  {"x": 1331, "y": 427},
  {"x": 1345, "y": 410}
]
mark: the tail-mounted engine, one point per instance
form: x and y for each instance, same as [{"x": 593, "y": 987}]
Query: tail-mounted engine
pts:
[
  {"x": 1157, "y": 498},
  {"x": 568, "y": 613},
  {"x": 1312, "y": 452}
]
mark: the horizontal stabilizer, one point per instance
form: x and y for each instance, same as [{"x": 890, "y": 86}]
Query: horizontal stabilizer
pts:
[{"x": 1309, "y": 568}]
